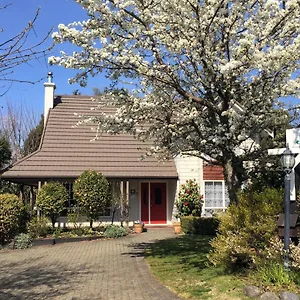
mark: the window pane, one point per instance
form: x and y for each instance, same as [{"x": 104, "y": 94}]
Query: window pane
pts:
[
  {"x": 158, "y": 196},
  {"x": 213, "y": 194}
]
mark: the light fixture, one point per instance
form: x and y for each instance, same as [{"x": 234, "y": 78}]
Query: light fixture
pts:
[{"x": 287, "y": 160}]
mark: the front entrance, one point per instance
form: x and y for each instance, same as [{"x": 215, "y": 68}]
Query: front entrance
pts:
[{"x": 153, "y": 203}]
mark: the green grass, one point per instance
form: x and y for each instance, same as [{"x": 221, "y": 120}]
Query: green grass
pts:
[{"x": 181, "y": 264}]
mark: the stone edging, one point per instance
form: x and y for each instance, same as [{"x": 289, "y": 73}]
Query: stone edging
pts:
[
  {"x": 53, "y": 241},
  {"x": 254, "y": 292}
]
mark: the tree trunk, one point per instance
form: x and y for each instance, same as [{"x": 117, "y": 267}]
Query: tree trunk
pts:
[
  {"x": 91, "y": 223},
  {"x": 233, "y": 176},
  {"x": 113, "y": 215},
  {"x": 53, "y": 219}
]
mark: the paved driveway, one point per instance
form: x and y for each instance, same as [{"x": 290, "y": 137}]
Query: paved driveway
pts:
[{"x": 105, "y": 269}]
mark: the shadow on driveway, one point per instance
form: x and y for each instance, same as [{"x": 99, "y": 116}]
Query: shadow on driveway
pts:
[{"x": 22, "y": 280}]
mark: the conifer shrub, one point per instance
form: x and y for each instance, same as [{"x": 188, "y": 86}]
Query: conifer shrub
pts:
[{"x": 246, "y": 229}]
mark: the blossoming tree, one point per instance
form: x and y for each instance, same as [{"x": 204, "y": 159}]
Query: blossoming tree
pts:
[{"x": 203, "y": 76}]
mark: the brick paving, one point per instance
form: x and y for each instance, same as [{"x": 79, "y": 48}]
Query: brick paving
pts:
[{"x": 104, "y": 269}]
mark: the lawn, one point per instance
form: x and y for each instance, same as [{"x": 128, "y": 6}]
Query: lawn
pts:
[{"x": 181, "y": 265}]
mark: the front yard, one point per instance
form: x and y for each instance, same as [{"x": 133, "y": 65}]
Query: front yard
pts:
[{"x": 181, "y": 265}]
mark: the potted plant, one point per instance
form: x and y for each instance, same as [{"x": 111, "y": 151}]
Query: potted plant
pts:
[
  {"x": 189, "y": 202},
  {"x": 138, "y": 226},
  {"x": 177, "y": 226}
]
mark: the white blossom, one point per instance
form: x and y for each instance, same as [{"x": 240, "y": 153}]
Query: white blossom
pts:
[{"x": 203, "y": 76}]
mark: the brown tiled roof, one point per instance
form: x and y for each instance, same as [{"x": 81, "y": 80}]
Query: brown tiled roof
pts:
[{"x": 67, "y": 151}]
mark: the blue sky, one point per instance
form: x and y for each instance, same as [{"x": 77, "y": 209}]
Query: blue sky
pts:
[{"x": 52, "y": 12}]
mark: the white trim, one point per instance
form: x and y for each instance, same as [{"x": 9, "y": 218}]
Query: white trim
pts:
[
  {"x": 149, "y": 204},
  {"x": 279, "y": 151},
  {"x": 223, "y": 196}
]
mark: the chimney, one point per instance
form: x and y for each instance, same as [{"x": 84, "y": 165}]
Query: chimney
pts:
[{"x": 49, "y": 96}]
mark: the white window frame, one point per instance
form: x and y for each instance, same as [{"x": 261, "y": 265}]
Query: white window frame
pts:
[{"x": 222, "y": 208}]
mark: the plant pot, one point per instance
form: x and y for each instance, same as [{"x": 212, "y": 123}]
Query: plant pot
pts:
[
  {"x": 177, "y": 227},
  {"x": 138, "y": 228}
]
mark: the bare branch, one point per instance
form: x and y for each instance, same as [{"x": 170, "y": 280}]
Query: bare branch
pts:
[{"x": 16, "y": 51}]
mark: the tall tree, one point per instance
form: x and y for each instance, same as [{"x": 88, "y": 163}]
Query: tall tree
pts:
[
  {"x": 33, "y": 139},
  {"x": 16, "y": 122},
  {"x": 204, "y": 75},
  {"x": 5, "y": 152}
]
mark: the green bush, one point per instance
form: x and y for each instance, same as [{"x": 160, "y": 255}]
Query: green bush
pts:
[
  {"x": 114, "y": 231},
  {"x": 23, "y": 241},
  {"x": 246, "y": 228},
  {"x": 24, "y": 218},
  {"x": 11, "y": 209},
  {"x": 189, "y": 201},
  {"x": 73, "y": 217},
  {"x": 199, "y": 225},
  {"x": 51, "y": 200},
  {"x": 38, "y": 227},
  {"x": 91, "y": 189}
]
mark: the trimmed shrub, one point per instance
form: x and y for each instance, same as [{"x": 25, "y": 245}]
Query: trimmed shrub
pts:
[
  {"x": 91, "y": 189},
  {"x": 51, "y": 200},
  {"x": 23, "y": 241},
  {"x": 38, "y": 227},
  {"x": 114, "y": 231},
  {"x": 11, "y": 208},
  {"x": 246, "y": 229},
  {"x": 199, "y": 225}
]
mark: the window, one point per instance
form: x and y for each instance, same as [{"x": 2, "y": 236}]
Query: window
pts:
[
  {"x": 215, "y": 197},
  {"x": 158, "y": 196}
]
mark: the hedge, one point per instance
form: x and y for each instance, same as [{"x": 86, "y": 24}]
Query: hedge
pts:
[{"x": 199, "y": 225}]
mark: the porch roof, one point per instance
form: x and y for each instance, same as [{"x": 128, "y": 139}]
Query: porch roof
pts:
[{"x": 66, "y": 151}]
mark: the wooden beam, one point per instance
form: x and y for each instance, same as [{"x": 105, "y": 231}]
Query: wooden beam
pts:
[
  {"x": 121, "y": 201},
  {"x": 127, "y": 203}
]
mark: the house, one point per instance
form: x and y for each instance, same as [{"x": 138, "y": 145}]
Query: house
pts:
[{"x": 148, "y": 186}]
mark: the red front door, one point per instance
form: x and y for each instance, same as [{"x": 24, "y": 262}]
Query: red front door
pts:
[{"x": 157, "y": 214}]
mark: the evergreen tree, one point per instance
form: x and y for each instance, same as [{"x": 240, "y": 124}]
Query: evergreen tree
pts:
[{"x": 33, "y": 140}]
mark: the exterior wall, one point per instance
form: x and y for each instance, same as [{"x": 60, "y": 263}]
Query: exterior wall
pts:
[
  {"x": 134, "y": 201},
  {"x": 134, "y": 204},
  {"x": 171, "y": 196},
  {"x": 212, "y": 172},
  {"x": 189, "y": 167}
]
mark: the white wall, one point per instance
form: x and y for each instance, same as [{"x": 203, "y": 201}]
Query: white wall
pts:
[
  {"x": 189, "y": 167},
  {"x": 134, "y": 201}
]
